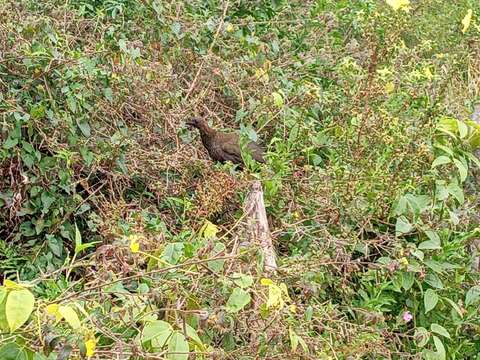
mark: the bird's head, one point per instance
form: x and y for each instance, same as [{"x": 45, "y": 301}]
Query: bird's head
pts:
[{"x": 196, "y": 122}]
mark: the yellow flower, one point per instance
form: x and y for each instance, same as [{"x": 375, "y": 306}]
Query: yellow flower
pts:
[
  {"x": 134, "y": 245},
  {"x": 90, "y": 345},
  {"x": 229, "y": 28},
  {"x": 292, "y": 308},
  {"x": 467, "y": 20},
  {"x": 389, "y": 87},
  {"x": 399, "y": 4}
]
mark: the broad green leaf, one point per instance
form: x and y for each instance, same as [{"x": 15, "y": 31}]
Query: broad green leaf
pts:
[
  {"x": 433, "y": 243},
  {"x": 401, "y": 206},
  {"x": 192, "y": 334},
  {"x": 456, "y": 191},
  {"x": 177, "y": 347},
  {"x": 402, "y": 226},
  {"x": 440, "y": 330},
  {"x": 446, "y": 149},
  {"x": 408, "y": 279},
  {"x": 440, "y": 348},
  {"x": 70, "y": 316},
  {"x": 441, "y": 160},
  {"x": 434, "y": 281},
  {"x": 429, "y": 245},
  {"x": 277, "y": 99},
  {"x": 10, "y": 143},
  {"x": 158, "y": 332},
  {"x": 430, "y": 300},
  {"x": 241, "y": 280},
  {"x": 13, "y": 351},
  {"x": 18, "y": 308},
  {"x": 462, "y": 129},
  {"x": 473, "y": 295},
  {"x": 462, "y": 169},
  {"x": 238, "y": 299},
  {"x": 209, "y": 230}
]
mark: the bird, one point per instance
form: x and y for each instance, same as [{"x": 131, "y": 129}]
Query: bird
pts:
[{"x": 224, "y": 147}]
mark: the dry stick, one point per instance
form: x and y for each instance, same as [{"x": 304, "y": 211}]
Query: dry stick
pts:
[
  {"x": 258, "y": 225},
  {"x": 192, "y": 86}
]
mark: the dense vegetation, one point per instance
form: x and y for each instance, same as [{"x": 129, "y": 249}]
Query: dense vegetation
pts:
[{"x": 119, "y": 237}]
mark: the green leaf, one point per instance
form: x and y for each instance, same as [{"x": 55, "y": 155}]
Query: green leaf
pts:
[
  {"x": 440, "y": 330},
  {"x": 430, "y": 300},
  {"x": 217, "y": 265},
  {"x": 238, "y": 299},
  {"x": 402, "y": 226},
  {"x": 13, "y": 351},
  {"x": 277, "y": 99},
  {"x": 456, "y": 191},
  {"x": 209, "y": 230},
  {"x": 84, "y": 127},
  {"x": 473, "y": 295},
  {"x": 3, "y": 318},
  {"x": 462, "y": 169},
  {"x": 440, "y": 348},
  {"x": 70, "y": 316},
  {"x": 177, "y": 347},
  {"x": 432, "y": 244},
  {"x": 434, "y": 281},
  {"x": 18, "y": 308},
  {"x": 192, "y": 334},
  {"x": 3, "y": 293},
  {"x": 158, "y": 332},
  {"x": 441, "y": 160},
  {"x": 241, "y": 280},
  {"x": 462, "y": 129},
  {"x": 408, "y": 279},
  {"x": 10, "y": 143},
  {"x": 78, "y": 240}
]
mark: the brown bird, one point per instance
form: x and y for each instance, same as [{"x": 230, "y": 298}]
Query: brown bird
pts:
[{"x": 224, "y": 146}]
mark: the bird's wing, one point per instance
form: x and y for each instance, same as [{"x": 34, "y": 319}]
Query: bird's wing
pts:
[
  {"x": 231, "y": 151},
  {"x": 256, "y": 151}
]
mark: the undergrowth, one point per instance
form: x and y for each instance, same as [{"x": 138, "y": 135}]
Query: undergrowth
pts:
[{"x": 120, "y": 239}]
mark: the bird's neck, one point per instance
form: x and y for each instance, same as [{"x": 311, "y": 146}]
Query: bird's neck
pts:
[{"x": 207, "y": 134}]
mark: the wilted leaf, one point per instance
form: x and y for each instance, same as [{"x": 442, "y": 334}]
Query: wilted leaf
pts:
[{"x": 70, "y": 316}]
